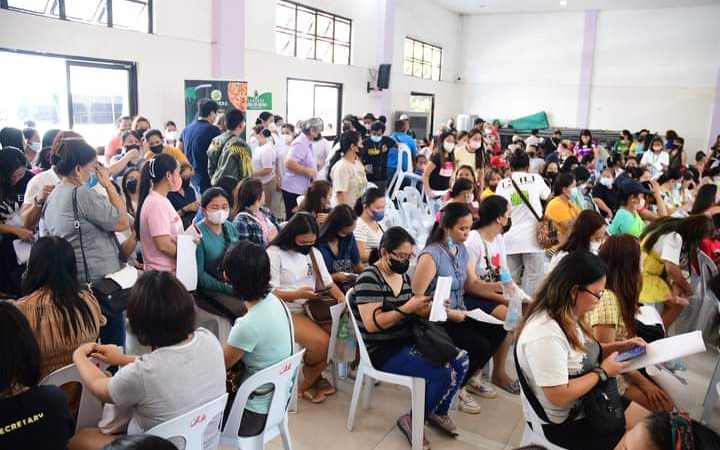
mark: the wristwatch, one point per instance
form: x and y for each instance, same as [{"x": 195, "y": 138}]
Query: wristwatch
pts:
[
  {"x": 38, "y": 203},
  {"x": 601, "y": 373}
]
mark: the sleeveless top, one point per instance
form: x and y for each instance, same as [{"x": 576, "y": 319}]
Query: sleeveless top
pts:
[{"x": 449, "y": 265}]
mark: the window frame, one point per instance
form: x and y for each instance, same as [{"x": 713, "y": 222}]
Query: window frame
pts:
[
  {"x": 62, "y": 15},
  {"x": 294, "y": 33},
  {"x": 422, "y": 61}
]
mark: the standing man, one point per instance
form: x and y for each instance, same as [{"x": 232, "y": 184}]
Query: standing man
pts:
[
  {"x": 400, "y": 136},
  {"x": 195, "y": 140},
  {"x": 229, "y": 155},
  {"x": 115, "y": 144},
  {"x": 374, "y": 154}
]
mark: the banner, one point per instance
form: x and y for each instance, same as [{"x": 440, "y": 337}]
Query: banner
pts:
[
  {"x": 228, "y": 95},
  {"x": 261, "y": 102}
]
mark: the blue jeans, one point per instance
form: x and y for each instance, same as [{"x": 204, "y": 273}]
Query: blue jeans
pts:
[
  {"x": 114, "y": 330},
  {"x": 441, "y": 383}
]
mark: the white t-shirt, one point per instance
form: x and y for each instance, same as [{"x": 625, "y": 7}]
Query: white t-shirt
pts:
[
  {"x": 369, "y": 236},
  {"x": 521, "y": 236},
  {"x": 265, "y": 157},
  {"x": 322, "y": 149},
  {"x": 476, "y": 245},
  {"x": 547, "y": 359},
  {"x": 281, "y": 151},
  {"x": 291, "y": 270},
  {"x": 37, "y": 183},
  {"x": 655, "y": 161},
  {"x": 555, "y": 260},
  {"x": 669, "y": 247}
]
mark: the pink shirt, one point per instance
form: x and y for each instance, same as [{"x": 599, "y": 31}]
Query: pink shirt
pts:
[{"x": 158, "y": 218}]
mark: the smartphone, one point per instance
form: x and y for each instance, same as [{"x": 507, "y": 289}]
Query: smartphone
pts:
[
  {"x": 354, "y": 276},
  {"x": 322, "y": 291},
  {"x": 630, "y": 354}
]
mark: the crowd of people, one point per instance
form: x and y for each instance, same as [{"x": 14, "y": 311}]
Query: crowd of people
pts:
[{"x": 287, "y": 222}]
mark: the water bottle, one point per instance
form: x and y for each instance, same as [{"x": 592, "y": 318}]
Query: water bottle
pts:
[{"x": 510, "y": 291}]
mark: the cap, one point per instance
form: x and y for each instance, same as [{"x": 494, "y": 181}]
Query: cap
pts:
[
  {"x": 632, "y": 186},
  {"x": 499, "y": 162},
  {"x": 404, "y": 117}
]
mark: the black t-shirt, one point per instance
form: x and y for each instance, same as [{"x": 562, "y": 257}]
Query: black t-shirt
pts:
[
  {"x": 10, "y": 206},
  {"x": 609, "y": 196},
  {"x": 375, "y": 155},
  {"x": 440, "y": 176},
  {"x": 39, "y": 418},
  {"x": 178, "y": 201}
]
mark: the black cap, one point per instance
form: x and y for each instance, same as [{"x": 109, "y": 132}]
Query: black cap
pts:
[
  {"x": 478, "y": 121},
  {"x": 632, "y": 186}
]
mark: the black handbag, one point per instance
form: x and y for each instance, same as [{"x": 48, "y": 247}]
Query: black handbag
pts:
[
  {"x": 318, "y": 310},
  {"x": 430, "y": 339},
  {"x": 111, "y": 297}
]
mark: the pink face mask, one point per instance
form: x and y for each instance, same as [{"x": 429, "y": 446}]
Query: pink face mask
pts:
[{"x": 175, "y": 182}]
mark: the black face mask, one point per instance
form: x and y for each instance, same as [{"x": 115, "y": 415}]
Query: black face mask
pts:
[
  {"x": 141, "y": 131},
  {"x": 303, "y": 249},
  {"x": 507, "y": 226},
  {"x": 131, "y": 186},
  {"x": 399, "y": 267},
  {"x": 186, "y": 183},
  {"x": 156, "y": 148}
]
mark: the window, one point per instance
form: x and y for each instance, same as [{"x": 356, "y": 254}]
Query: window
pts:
[
  {"x": 308, "y": 98},
  {"x": 309, "y": 33},
  {"x": 422, "y": 60},
  {"x": 127, "y": 14}
]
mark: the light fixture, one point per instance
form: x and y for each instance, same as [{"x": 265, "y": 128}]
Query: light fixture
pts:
[{"x": 563, "y": 2}]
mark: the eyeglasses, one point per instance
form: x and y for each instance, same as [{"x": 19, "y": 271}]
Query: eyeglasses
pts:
[
  {"x": 596, "y": 295},
  {"x": 402, "y": 256}
]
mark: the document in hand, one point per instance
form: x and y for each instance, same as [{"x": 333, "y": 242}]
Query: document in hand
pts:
[
  {"x": 442, "y": 293},
  {"x": 667, "y": 349},
  {"x": 481, "y": 316},
  {"x": 186, "y": 269}
]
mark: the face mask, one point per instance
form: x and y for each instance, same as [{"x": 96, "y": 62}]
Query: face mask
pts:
[
  {"x": 507, "y": 226},
  {"x": 272, "y": 127},
  {"x": 141, "y": 131},
  {"x": 376, "y": 139},
  {"x": 131, "y": 186},
  {"x": 574, "y": 192},
  {"x": 399, "y": 267},
  {"x": 175, "y": 183},
  {"x": 157, "y": 149},
  {"x": 678, "y": 186},
  {"x": 303, "y": 249},
  {"x": 639, "y": 148},
  {"x": 469, "y": 198},
  {"x": 186, "y": 183},
  {"x": 452, "y": 245},
  {"x": 287, "y": 138},
  {"x": 475, "y": 145},
  {"x": 594, "y": 247},
  {"x": 217, "y": 217},
  {"x": 448, "y": 146},
  {"x": 378, "y": 216},
  {"x": 170, "y": 135},
  {"x": 551, "y": 175},
  {"x": 132, "y": 147},
  {"x": 641, "y": 205},
  {"x": 36, "y": 146},
  {"x": 605, "y": 181},
  {"x": 92, "y": 181}
]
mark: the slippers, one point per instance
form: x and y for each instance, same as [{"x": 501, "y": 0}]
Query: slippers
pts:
[
  {"x": 313, "y": 396},
  {"x": 324, "y": 387},
  {"x": 511, "y": 388}
]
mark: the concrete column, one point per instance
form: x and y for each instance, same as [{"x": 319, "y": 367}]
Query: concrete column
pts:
[
  {"x": 715, "y": 121},
  {"x": 228, "y": 39},
  {"x": 586, "y": 69}
]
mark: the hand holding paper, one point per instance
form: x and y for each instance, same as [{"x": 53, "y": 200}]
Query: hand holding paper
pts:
[
  {"x": 442, "y": 292},
  {"x": 668, "y": 349},
  {"x": 186, "y": 269}
]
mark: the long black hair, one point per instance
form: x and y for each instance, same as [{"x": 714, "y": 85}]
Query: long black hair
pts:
[
  {"x": 152, "y": 172},
  {"x": 11, "y": 159},
  {"x": 19, "y": 350},
  {"x": 705, "y": 198},
  {"x": 301, "y": 223},
  {"x": 369, "y": 197},
  {"x": 490, "y": 210},
  {"x": 52, "y": 267},
  {"x": 312, "y": 203},
  {"x": 341, "y": 216},
  {"x": 248, "y": 192},
  {"x": 451, "y": 214},
  {"x": 692, "y": 229},
  {"x": 347, "y": 140},
  {"x": 586, "y": 224}
]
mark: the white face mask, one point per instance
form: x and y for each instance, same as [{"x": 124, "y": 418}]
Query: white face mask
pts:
[
  {"x": 287, "y": 138},
  {"x": 170, "y": 135},
  {"x": 448, "y": 146},
  {"x": 218, "y": 217},
  {"x": 475, "y": 144},
  {"x": 594, "y": 247}
]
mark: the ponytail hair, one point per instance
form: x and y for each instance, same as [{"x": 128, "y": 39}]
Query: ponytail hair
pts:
[
  {"x": 370, "y": 196},
  {"x": 451, "y": 214},
  {"x": 347, "y": 139},
  {"x": 153, "y": 172}
]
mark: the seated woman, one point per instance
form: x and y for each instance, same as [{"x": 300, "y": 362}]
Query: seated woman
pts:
[
  {"x": 184, "y": 200},
  {"x": 263, "y": 336},
  {"x": 339, "y": 247},
  {"x": 317, "y": 200},
  {"x": 445, "y": 255},
  {"x": 462, "y": 191},
  {"x": 32, "y": 416},
  {"x": 253, "y": 221},
  {"x": 217, "y": 235},
  {"x": 587, "y": 233},
  {"x": 670, "y": 431},
  {"x": 370, "y": 209},
  {"x": 299, "y": 274},
  {"x": 613, "y": 318},
  {"x": 559, "y": 358},
  {"x": 383, "y": 287},
  {"x": 61, "y": 315},
  {"x": 561, "y": 209},
  {"x": 631, "y": 198},
  {"x": 184, "y": 370}
]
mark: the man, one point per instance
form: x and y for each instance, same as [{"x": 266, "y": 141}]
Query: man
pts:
[
  {"x": 524, "y": 256},
  {"x": 402, "y": 137},
  {"x": 479, "y": 123},
  {"x": 375, "y": 154},
  {"x": 195, "y": 140},
  {"x": 368, "y": 120},
  {"x": 534, "y": 138},
  {"x": 123, "y": 124},
  {"x": 229, "y": 155},
  {"x": 551, "y": 145},
  {"x": 153, "y": 145},
  {"x": 406, "y": 127}
]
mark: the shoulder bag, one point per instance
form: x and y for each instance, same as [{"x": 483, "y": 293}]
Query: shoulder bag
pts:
[
  {"x": 318, "y": 309},
  {"x": 546, "y": 233}
]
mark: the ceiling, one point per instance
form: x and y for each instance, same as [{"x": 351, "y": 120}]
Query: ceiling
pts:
[{"x": 525, "y": 6}]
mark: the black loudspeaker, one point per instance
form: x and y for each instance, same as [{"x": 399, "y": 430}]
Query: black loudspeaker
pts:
[{"x": 383, "y": 79}]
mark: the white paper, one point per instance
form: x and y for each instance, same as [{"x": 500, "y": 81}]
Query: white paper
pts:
[
  {"x": 481, "y": 316},
  {"x": 335, "y": 312},
  {"x": 667, "y": 349},
  {"x": 22, "y": 251},
  {"x": 649, "y": 316},
  {"x": 442, "y": 293},
  {"x": 673, "y": 387},
  {"x": 186, "y": 270},
  {"x": 125, "y": 277}
]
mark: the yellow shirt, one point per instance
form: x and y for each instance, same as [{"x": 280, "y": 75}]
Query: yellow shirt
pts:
[
  {"x": 172, "y": 151},
  {"x": 486, "y": 193},
  {"x": 463, "y": 157},
  {"x": 607, "y": 312},
  {"x": 560, "y": 210}
]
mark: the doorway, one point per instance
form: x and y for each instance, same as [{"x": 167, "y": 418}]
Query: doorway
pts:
[
  {"x": 310, "y": 98},
  {"x": 423, "y": 103}
]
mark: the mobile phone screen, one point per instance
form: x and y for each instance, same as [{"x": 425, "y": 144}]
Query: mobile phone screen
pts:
[{"x": 630, "y": 354}]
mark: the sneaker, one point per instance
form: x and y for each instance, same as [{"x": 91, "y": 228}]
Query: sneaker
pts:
[
  {"x": 478, "y": 387},
  {"x": 404, "y": 424},
  {"x": 442, "y": 423},
  {"x": 467, "y": 404}
]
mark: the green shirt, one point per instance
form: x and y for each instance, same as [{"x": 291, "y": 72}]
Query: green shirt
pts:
[
  {"x": 211, "y": 247},
  {"x": 626, "y": 222}
]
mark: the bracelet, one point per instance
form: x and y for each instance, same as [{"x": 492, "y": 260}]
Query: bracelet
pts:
[{"x": 39, "y": 203}]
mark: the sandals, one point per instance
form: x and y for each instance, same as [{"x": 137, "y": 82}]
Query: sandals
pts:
[
  {"x": 404, "y": 424},
  {"x": 511, "y": 388},
  {"x": 442, "y": 423},
  {"x": 313, "y": 395},
  {"x": 324, "y": 387}
]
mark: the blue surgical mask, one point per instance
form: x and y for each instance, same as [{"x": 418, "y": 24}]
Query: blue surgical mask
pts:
[
  {"x": 574, "y": 192},
  {"x": 452, "y": 245},
  {"x": 376, "y": 139},
  {"x": 92, "y": 181},
  {"x": 378, "y": 216},
  {"x": 606, "y": 181},
  {"x": 36, "y": 146},
  {"x": 678, "y": 186}
]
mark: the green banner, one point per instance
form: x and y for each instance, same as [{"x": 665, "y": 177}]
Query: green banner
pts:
[
  {"x": 228, "y": 95},
  {"x": 260, "y": 102}
]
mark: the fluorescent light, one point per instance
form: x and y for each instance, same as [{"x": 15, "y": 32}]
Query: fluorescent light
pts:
[{"x": 563, "y": 2}]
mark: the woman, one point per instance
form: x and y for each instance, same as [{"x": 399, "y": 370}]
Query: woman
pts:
[
  {"x": 32, "y": 145},
  {"x": 561, "y": 209},
  {"x": 668, "y": 246},
  {"x": 154, "y": 144},
  {"x": 439, "y": 170},
  {"x": 486, "y": 251},
  {"x": 468, "y": 173},
  {"x": 346, "y": 171},
  {"x": 158, "y": 223},
  {"x": 585, "y": 145},
  {"x": 657, "y": 158},
  {"x": 140, "y": 125},
  {"x": 550, "y": 172},
  {"x": 677, "y": 158},
  {"x": 605, "y": 193},
  {"x": 14, "y": 178},
  {"x": 99, "y": 217},
  {"x": 129, "y": 184},
  {"x": 21, "y": 397},
  {"x": 299, "y": 274},
  {"x": 670, "y": 183},
  {"x": 558, "y": 357},
  {"x": 587, "y": 233},
  {"x": 253, "y": 221},
  {"x": 625, "y": 145},
  {"x": 264, "y": 163},
  {"x": 339, "y": 247},
  {"x": 300, "y": 164},
  {"x": 613, "y": 318},
  {"x": 184, "y": 200},
  {"x": 670, "y": 431},
  {"x": 370, "y": 209},
  {"x": 382, "y": 299},
  {"x": 492, "y": 179},
  {"x": 162, "y": 316},
  {"x": 263, "y": 336},
  {"x": 631, "y": 199},
  {"x": 217, "y": 234},
  {"x": 317, "y": 201},
  {"x": 462, "y": 192},
  {"x": 61, "y": 315},
  {"x": 705, "y": 199},
  {"x": 445, "y": 255}
]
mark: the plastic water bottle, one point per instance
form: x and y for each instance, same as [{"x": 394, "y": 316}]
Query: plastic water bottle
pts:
[{"x": 510, "y": 291}]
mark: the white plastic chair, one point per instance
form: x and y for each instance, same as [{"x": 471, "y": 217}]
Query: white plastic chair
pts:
[
  {"x": 90, "y": 410},
  {"x": 535, "y": 434},
  {"x": 366, "y": 369},
  {"x": 219, "y": 326},
  {"x": 281, "y": 376},
  {"x": 705, "y": 311},
  {"x": 404, "y": 154},
  {"x": 192, "y": 425}
]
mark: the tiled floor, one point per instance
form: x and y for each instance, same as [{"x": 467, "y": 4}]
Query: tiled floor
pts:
[{"x": 499, "y": 426}]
